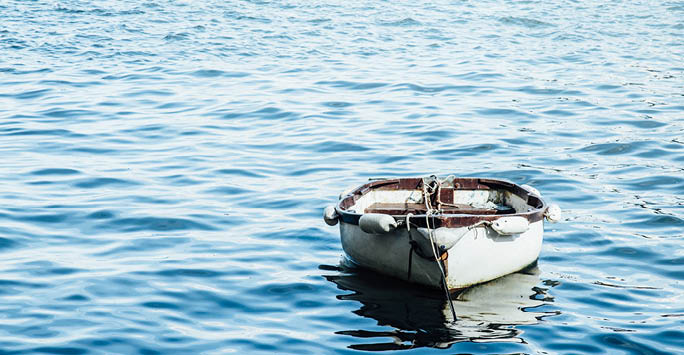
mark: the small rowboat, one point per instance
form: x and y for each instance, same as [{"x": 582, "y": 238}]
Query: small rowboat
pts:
[{"x": 447, "y": 233}]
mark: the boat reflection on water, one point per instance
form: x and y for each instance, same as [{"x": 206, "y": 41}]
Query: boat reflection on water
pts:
[{"x": 422, "y": 318}]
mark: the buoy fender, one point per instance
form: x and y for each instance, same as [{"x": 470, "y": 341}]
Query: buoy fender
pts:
[
  {"x": 330, "y": 215},
  {"x": 553, "y": 213},
  {"x": 511, "y": 225},
  {"x": 377, "y": 223},
  {"x": 531, "y": 190}
]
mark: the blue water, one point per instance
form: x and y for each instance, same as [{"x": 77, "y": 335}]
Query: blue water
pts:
[{"x": 164, "y": 166}]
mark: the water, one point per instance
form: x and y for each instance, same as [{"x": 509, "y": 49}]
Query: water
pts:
[{"x": 165, "y": 165}]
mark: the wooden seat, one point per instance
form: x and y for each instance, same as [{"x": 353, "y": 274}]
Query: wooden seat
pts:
[{"x": 402, "y": 209}]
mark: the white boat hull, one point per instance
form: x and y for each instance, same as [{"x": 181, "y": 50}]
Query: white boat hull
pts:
[{"x": 479, "y": 256}]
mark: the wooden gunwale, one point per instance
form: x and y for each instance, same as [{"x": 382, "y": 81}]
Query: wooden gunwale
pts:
[{"x": 450, "y": 220}]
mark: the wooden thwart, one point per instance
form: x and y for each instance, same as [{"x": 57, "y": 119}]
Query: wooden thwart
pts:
[{"x": 402, "y": 209}]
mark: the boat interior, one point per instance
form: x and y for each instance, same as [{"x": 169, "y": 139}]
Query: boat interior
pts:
[{"x": 401, "y": 197}]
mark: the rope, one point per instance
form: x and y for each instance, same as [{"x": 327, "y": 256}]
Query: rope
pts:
[
  {"x": 430, "y": 212},
  {"x": 439, "y": 194},
  {"x": 413, "y": 245},
  {"x": 430, "y": 187}
]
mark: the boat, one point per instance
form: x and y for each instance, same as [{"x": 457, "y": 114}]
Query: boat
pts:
[{"x": 449, "y": 233}]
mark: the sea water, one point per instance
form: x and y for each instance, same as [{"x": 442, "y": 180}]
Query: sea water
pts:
[{"x": 164, "y": 166}]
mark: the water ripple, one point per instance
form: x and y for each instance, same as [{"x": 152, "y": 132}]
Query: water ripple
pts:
[{"x": 165, "y": 165}]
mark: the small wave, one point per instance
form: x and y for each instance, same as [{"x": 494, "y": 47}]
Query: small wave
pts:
[
  {"x": 149, "y": 92},
  {"x": 612, "y": 148},
  {"x": 62, "y": 113},
  {"x": 337, "y": 104},
  {"x": 470, "y": 150},
  {"x": 45, "y": 132},
  {"x": 131, "y": 12},
  {"x": 352, "y": 85},
  {"x": 135, "y": 224},
  {"x": 309, "y": 171},
  {"x": 75, "y": 84},
  {"x": 46, "y": 218},
  {"x": 141, "y": 245},
  {"x": 429, "y": 89},
  {"x": 61, "y": 8},
  {"x": 675, "y": 183},
  {"x": 228, "y": 190},
  {"x": 560, "y": 113},
  {"x": 32, "y": 94},
  {"x": 405, "y": 22},
  {"x": 55, "y": 171},
  {"x": 160, "y": 305},
  {"x": 6, "y": 243},
  {"x": 102, "y": 214},
  {"x": 504, "y": 112},
  {"x": 272, "y": 203},
  {"x": 638, "y": 122},
  {"x": 235, "y": 15},
  {"x": 525, "y": 22},
  {"x": 201, "y": 273},
  {"x": 285, "y": 290},
  {"x": 239, "y": 172},
  {"x": 76, "y": 298},
  {"x": 91, "y": 150},
  {"x": 272, "y": 113},
  {"x": 619, "y": 341},
  {"x": 213, "y": 73},
  {"x": 338, "y": 147},
  {"x": 177, "y": 36},
  {"x": 93, "y": 183}
]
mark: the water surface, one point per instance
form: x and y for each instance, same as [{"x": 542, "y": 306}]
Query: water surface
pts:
[{"x": 165, "y": 165}]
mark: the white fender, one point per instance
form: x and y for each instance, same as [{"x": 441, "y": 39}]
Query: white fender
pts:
[
  {"x": 330, "y": 215},
  {"x": 377, "y": 223},
  {"x": 444, "y": 237},
  {"x": 510, "y": 225},
  {"x": 553, "y": 213},
  {"x": 531, "y": 190}
]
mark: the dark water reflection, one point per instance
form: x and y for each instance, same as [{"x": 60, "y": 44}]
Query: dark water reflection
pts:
[{"x": 420, "y": 317}]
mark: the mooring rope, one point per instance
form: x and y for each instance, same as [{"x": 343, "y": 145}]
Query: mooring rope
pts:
[
  {"x": 413, "y": 243},
  {"x": 429, "y": 213}
]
